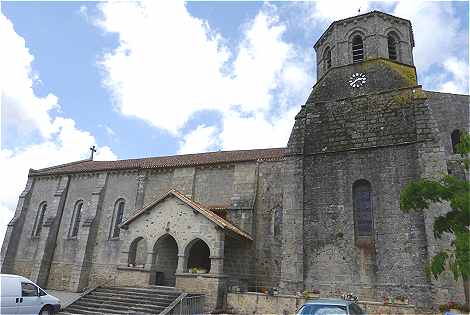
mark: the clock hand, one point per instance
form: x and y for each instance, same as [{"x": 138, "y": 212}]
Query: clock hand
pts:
[{"x": 356, "y": 80}]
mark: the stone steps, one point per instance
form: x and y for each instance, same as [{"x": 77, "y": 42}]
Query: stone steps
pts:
[
  {"x": 123, "y": 300},
  {"x": 129, "y": 298}
]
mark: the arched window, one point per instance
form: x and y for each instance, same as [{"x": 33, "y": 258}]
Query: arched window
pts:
[
  {"x": 327, "y": 58},
  {"x": 137, "y": 253},
  {"x": 76, "y": 218},
  {"x": 117, "y": 219},
  {"x": 455, "y": 137},
  {"x": 392, "y": 47},
  {"x": 357, "y": 49},
  {"x": 362, "y": 199},
  {"x": 39, "y": 219}
]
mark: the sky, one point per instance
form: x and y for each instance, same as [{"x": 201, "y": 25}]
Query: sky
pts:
[{"x": 154, "y": 78}]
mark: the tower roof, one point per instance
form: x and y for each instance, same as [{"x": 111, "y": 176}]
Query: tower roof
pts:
[{"x": 360, "y": 16}]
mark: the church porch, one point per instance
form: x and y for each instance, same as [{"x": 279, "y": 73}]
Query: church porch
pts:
[{"x": 176, "y": 242}]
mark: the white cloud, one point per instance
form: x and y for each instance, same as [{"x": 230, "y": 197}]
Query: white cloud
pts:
[
  {"x": 61, "y": 141},
  {"x": 435, "y": 41},
  {"x": 201, "y": 139},
  {"x": 331, "y": 10},
  {"x": 20, "y": 106},
  {"x": 165, "y": 77},
  {"x": 159, "y": 75},
  {"x": 458, "y": 76},
  {"x": 256, "y": 132}
]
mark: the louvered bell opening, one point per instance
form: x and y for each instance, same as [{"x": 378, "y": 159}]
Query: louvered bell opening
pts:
[
  {"x": 357, "y": 49},
  {"x": 392, "y": 48}
]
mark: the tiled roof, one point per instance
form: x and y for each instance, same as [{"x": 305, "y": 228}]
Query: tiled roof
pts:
[
  {"x": 186, "y": 160},
  {"x": 224, "y": 224}
]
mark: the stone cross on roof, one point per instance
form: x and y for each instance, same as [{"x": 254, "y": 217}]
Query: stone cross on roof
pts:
[{"x": 93, "y": 150}]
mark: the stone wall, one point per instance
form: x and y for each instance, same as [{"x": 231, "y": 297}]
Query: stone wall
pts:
[
  {"x": 213, "y": 287},
  {"x": 106, "y": 252},
  {"x": 334, "y": 259},
  {"x": 259, "y": 303},
  {"x": 269, "y": 209},
  {"x": 214, "y": 186},
  {"x": 451, "y": 111}
]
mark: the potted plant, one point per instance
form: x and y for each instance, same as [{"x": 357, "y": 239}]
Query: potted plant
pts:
[
  {"x": 401, "y": 299},
  {"x": 312, "y": 294}
]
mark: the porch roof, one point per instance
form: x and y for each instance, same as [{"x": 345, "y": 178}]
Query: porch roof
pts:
[{"x": 221, "y": 222}]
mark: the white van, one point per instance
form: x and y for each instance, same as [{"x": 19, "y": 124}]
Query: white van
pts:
[{"x": 19, "y": 295}]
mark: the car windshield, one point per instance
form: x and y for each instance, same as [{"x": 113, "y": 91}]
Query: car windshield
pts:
[{"x": 311, "y": 309}]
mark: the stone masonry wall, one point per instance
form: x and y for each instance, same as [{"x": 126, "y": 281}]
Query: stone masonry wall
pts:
[
  {"x": 43, "y": 191},
  {"x": 451, "y": 112},
  {"x": 68, "y": 249},
  {"x": 332, "y": 258},
  {"x": 369, "y": 138},
  {"x": 107, "y": 250},
  {"x": 268, "y": 227}
]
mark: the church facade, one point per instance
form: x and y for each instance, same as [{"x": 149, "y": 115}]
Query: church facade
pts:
[{"x": 323, "y": 213}]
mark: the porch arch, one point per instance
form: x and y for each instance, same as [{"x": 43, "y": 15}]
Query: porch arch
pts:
[
  {"x": 164, "y": 261},
  {"x": 198, "y": 255},
  {"x": 137, "y": 253}
]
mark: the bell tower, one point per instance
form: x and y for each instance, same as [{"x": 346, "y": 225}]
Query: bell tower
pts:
[
  {"x": 364, "y": 37},
  {"x": 368, "y": 53}
]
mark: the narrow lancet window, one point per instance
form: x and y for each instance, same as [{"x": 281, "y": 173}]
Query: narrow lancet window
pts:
[
  {"x": 39, "y": 220},
  {"x": 118, "y": 215},
  {"x": 392, "y": 48},
  {"x": 76, "y": 218},
  {"x": 362, "y": 199},
  {"x": 455, "y": 137},
  {"x": 357, "y": 49},
  {"x": 327, "y": 58}
]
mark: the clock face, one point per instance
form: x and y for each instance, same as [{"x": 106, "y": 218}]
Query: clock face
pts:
[{"x": 357, "y": 80}]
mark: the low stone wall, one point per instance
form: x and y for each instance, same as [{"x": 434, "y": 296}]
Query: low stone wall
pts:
[
  {"x": 383, "y": 309},
  {"x": 213, "y": 286},
  {"x": 128, "y": 277},
  {"x": 259, "y": 303}
]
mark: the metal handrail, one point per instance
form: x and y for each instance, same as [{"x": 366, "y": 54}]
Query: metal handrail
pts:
[
  {"x": 186, "y": 304},
  {"x": 173, "y": 304}
]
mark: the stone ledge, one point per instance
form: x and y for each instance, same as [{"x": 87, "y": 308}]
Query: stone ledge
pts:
[
  {"x": 125, "y": 268},
  {"x": 203, "y": 275}
]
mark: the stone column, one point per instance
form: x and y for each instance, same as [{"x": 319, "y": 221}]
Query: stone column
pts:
[
  {"x": 48, "y": 238},
  {"x": 149, "y": 261},
  {"x": 14, "y": 229},
  {"x": 217, "y": 265},
  {"x": 181, "y": 263},
  {"x": 292, "y": 271},
  {"x": 292, "y": 268},
  {"x": 87, "y": 235}
]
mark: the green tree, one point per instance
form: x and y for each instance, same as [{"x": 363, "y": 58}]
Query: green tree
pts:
[{"x": 420, "y": 194}]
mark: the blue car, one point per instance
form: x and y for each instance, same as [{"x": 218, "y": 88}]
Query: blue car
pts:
[{"x": 330, "y": 307}]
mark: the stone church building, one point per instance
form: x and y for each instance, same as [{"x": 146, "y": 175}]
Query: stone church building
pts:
[{"x": 322, "y": 213}]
